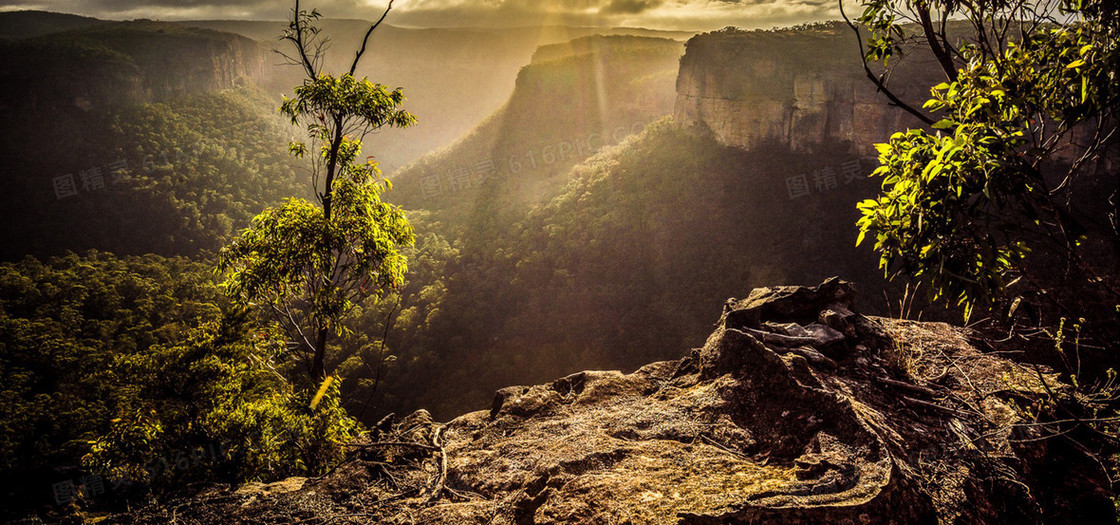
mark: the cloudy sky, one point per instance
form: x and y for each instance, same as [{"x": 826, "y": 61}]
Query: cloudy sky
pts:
[{"x": 659, "y": 14}]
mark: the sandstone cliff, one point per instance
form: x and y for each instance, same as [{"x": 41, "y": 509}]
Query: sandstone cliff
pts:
[
  {"x": 799, "y": 87},
  {"x": 120, "y": 63},
  {"x": 574, "y": 99},
  {"x": 796, "y": 410}
]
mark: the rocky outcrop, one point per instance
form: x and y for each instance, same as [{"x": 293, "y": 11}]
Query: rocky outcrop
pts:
[
  {"x": 796, "y": 410},
  {"x": 798, "y": 87}
]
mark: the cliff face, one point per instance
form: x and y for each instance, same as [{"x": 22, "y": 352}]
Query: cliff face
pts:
[
  {"x": 796, "y": 410},
  {"x": 801, "y": 88},
  {"x": 572, "y": 100},
  {"x": 121, "y": 63},
  {"x": 204, "y": 61}
]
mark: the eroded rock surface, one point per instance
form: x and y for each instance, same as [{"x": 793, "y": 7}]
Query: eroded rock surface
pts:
[
  {"x": 796, "y": 410},
  {"x": 800, "y": 89}
]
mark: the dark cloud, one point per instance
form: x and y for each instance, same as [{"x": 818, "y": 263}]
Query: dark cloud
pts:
[{"x": 630, "y": 7}]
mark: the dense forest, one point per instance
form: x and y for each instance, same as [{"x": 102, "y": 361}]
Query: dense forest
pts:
[
  {"x": 195, "y": 168},
  {"x": 139, "y": 372},
  {"x": 203, "y": 282}
]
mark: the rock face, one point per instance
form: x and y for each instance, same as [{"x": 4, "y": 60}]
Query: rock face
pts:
[
  {"x": 573, "y": 100},
  {"x": 205, "y": 62},
  {"x": 800, "y": 88},
  {"x": 796, "y": 410},
  {"x": 122, "y": 63}
]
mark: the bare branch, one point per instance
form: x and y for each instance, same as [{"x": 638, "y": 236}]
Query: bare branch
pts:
[
  {"x": 934, "y": 41},
  {"x": 878, "y": 82},
  {"x": 358, "y": 55},
  {"x": 296, "y": 35}
]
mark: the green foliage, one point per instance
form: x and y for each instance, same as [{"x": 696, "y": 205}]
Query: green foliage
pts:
[
  {"x": 288, "y": 251},
  {"x": 129, "y": 367},
  {"x": 65, "y": 323},
  {"x": 214, "y": 159},
  {"x": 218, "y": 388},
  {"x": 346, "y": 97},
  {"x": 959, "y": 204},
  {"x": 380, "y": 372},
  {"x": 946, "y": 212},
  {"x": 309, "y": 265}
]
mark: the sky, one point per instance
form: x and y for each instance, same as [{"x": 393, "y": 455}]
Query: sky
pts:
[{"x": 690, "y": 15}]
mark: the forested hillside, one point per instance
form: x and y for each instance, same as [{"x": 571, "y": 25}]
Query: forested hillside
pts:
[
  {"x": 533, "y": 215},
  {"x": 624, "y": 264},
  {"x": 36, "y": 23},
  {"x": 609, "y": 256},
  {"x": 175, "y": 177},
  {"x": 112, "y": 145}
]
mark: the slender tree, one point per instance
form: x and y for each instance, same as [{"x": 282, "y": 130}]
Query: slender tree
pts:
[{"x": 310, "y": 264}]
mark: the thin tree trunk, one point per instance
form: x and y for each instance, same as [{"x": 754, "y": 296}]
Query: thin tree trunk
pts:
[
  {"x": 318, "y": 373},
  {"x": 941, "y": 53}
]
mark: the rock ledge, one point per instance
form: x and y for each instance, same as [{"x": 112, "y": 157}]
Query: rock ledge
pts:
[{"x": 796, "y": 410}]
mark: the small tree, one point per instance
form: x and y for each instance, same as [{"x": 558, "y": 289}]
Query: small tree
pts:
[
  {"x": 1027, "y": 111},
  {"x": 310, "y": 264}
]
